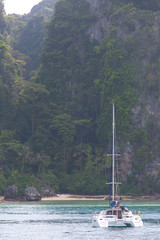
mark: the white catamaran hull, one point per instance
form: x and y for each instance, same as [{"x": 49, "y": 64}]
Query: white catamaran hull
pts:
[{"x": 105, "y": 222}]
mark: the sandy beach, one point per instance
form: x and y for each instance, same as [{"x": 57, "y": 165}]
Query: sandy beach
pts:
[
  {"x": 69, "y": 197},
  {"x": 65, "y": 197}
]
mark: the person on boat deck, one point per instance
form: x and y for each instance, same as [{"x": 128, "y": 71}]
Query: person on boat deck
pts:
[
  {"x": 123, "y": 208},
  {"x": 113, "y": 204},
  {"x": 117, "y": 204}
]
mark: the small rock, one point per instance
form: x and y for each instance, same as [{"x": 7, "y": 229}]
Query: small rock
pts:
[{"x": 47, "y": 191}]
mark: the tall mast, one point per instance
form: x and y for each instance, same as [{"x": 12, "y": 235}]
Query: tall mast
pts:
[
  {"x": 112, "y": 183},
  {"x": 113, "y": 156}
]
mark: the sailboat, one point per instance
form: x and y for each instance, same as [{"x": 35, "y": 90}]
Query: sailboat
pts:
[{"x": 116, "y": 215}]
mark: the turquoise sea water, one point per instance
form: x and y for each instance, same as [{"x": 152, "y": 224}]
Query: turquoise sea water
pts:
[{"x": 72, "y": 221}]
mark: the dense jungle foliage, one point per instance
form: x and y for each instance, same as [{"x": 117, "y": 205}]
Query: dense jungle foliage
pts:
[{"x": 57, "y": 85}]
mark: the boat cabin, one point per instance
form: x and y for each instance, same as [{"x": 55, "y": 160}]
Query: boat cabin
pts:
[{"x": 113, "y": 213}]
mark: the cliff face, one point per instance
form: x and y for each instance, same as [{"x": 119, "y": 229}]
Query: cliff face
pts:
[
  {"x": 95, "y": 52},
  {"x": 141, "y": 30},
  {"x": 101, "y": 26}
]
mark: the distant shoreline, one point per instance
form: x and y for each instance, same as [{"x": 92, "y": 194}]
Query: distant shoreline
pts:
[
  {"x": 69, "y": 197},
  {"x": 76, "y": 197}
]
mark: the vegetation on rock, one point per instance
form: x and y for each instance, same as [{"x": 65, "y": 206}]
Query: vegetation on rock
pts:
[{"x": 55, "y": 111}]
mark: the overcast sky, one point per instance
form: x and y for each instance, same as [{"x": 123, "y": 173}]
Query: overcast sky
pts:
[{"x": 19, "y": 6}]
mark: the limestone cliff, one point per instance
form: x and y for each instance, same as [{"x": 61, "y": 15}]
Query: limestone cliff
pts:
[{"x": 142, "y": 28}]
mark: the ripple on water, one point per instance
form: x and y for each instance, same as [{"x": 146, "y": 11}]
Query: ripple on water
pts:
[{"x": 67, "y": 222}]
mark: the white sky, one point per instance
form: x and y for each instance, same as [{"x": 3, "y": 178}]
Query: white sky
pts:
[{"x": 19, "y": 6}]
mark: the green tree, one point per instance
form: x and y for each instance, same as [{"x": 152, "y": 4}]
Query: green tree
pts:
[
  {"x": 145, "y": 4},
  {"x": 2, "y": 20},
  {"x": 65, "y": 129},
  {"x": 32, "y": 97},
  {"x": 10, "y": 149}
]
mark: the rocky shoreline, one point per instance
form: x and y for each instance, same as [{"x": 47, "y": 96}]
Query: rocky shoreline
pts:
[{"x": 70, "y": 197}]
